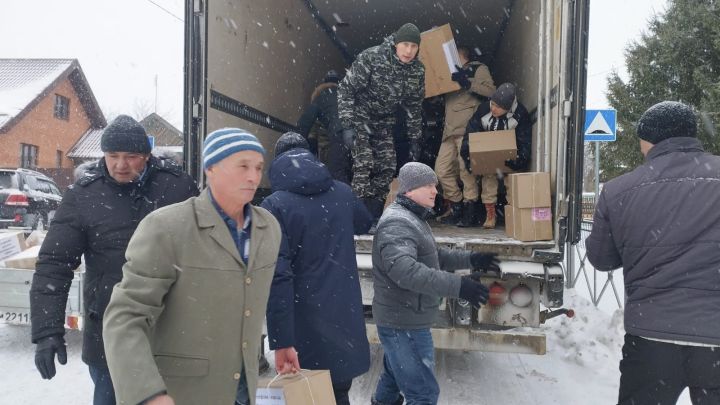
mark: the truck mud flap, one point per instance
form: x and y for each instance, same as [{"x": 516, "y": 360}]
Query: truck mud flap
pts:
[{"x": 480, "y": 340}]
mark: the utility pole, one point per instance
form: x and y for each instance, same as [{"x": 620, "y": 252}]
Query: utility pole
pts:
[{"x": 156, "y": 92}]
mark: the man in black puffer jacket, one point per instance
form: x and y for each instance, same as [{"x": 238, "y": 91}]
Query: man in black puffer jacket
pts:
[
  {"x": 661, "y": 224},
  {"x": 410, "y": 276},
  {"x": 96, "y": 218}
]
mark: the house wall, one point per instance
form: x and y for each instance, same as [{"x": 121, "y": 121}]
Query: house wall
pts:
[{"x": 40, "y": 127}]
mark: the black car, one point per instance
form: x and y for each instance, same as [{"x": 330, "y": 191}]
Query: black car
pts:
[{"x": 27, "y": 198}]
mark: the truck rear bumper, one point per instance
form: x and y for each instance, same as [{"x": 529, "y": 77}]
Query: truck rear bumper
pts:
[{"x": 479, "y": 340}]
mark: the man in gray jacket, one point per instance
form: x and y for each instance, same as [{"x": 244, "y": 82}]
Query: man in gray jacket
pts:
[
  {"x": 410, "y": 275},
  {"x": 661, "y": 223}
]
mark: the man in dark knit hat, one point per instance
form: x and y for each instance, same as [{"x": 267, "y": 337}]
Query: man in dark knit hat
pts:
[
  {"x": 184, "y": 324},
  {"x": 383, "y": 81},
  {"x": 502, "y": 112},
  {"x": 96, "y": 218},
  {"x": 661, "y": 224},
  {"x": 411, "y": 274}
]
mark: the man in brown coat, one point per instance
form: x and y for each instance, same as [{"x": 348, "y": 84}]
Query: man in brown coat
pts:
[
  {"x": 184, "y": 324},
  {"x": 476, "y": 85}
]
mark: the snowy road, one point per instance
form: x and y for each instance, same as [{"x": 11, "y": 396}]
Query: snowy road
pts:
[{"x": 580, "y": 367}]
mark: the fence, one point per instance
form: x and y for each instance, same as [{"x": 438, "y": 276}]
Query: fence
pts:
[{"x": 577, "y": 265}]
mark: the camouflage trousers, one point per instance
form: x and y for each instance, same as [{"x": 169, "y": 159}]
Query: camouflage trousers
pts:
[{"x": 373, "y": 160}]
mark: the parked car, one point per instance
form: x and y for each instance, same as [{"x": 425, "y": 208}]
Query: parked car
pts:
[{"x": 29, "y": 198}]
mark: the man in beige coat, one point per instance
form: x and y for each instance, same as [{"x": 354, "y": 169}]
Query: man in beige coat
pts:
[
  {"x": 184, "y": 324},
  {"x": 476, "y": 85}
]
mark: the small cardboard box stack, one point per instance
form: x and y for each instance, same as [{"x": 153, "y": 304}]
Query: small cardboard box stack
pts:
[
  {"x": 489, "y": 150},
  {"x": 309, "y": 387},
  {"x": 439, "y": 55},
  {"x": 528, "y": 215},
  {"x": 17, "y": 252}
]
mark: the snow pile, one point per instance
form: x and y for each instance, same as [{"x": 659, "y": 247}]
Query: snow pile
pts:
[{"x": 580, "y": 367}]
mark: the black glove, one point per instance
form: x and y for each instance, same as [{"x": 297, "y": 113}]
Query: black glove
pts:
[
  {"x": 415, "y": 151},
  {"x": 462, "y": 77},
  {"x": 517, "y": 165},
  {"x": 348, "y": 137},
  {"x": 485, "y": 262},
  {"x": 472, "y": 291},
  {"x": 45, "y": 355}
]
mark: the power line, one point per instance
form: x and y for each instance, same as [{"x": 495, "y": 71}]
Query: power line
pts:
[{"x": 167, "y": 11}]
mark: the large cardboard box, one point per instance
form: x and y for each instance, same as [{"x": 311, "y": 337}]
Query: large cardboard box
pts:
[
  {"x": 11, "y": 243},
  {"x": 392, "y": 193},
  {"x": 438, "y": 53},
  {"x": 528, "y": 190},
  {"x": 490, "y": 149},
  {"x": 528, "y": 224},
  {"x": 309, "y": 387}
]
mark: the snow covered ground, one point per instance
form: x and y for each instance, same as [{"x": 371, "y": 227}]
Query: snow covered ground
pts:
[{"x": 580, "y": 367}]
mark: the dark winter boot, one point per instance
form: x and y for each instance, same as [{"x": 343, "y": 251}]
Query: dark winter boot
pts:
[
  {"x": 469, "y": 215},
  {"x": 456, "y": 213},
  {"x": 490, "y": 217}
]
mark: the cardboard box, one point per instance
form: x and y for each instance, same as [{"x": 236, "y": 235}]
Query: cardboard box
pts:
[
  {"x": 308, "y": 387},
  {"x": 528, "y": 224},
  {"x": 528, "y": 190},
  {"x": 11, "y": 243},
  {"x": 392, "y": 193},
  {"x": 24, "y": 260},
  {"x": 490, "y": 149},
  {"x": 438, "y": 53}
]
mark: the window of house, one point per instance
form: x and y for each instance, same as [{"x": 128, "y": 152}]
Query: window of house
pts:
[
  {"x": 28, "y": 156},
  {"x": 58, "y": 159},
  {"x": 62, "y": 107}
]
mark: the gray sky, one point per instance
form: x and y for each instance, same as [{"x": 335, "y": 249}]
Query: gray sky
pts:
[{"x": 124, "y": 45}]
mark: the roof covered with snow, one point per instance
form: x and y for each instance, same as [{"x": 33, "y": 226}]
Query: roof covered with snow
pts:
[
  {"x": 24, "y": 82},
  {"x": 88, "y": 146}
]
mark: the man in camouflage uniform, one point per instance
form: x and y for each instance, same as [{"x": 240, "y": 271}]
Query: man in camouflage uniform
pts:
[{"x": 382, "y": 80}]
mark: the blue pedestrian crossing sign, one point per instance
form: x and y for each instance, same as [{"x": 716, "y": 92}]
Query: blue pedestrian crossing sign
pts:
[
  {"x": 600, "y": 125},
  {"x": 151, "y": 139}
]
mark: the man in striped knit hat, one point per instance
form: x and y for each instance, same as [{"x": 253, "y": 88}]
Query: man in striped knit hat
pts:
[{"x": 184, "y": 324}]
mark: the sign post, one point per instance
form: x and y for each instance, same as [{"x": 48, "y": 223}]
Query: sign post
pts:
[{"x": 600, "y": 126}]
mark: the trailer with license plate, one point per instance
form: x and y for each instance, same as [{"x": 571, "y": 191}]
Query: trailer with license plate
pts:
[{"x": 15, "y": 297}]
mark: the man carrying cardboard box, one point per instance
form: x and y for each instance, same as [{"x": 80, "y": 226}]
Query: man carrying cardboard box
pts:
[
  {"x": 502, "y": 112},
  {"x": 476, "y": 86},
  {"x": 383, "y": 80}
]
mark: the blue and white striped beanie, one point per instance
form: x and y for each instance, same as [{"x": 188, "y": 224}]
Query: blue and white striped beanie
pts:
[{"x": 224, "y": 142}]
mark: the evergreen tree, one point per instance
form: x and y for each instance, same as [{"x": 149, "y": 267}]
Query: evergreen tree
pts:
[{"x": 678, "y": 59}]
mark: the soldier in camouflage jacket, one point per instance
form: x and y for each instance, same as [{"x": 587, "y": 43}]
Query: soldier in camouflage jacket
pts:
[{"x": 382, "y": 80}]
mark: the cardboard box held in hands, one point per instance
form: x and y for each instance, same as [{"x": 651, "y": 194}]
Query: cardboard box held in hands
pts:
[
  {"x": 490, "y": 149},
  {"x": 307, "y": 387},
  {"x": 438, "y": 53}
]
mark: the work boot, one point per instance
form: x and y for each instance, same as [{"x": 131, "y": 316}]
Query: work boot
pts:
[
  {"x": 456, "y": 214},
  {"x": 490, "y": 218},
  {"x": 469, "y": 215}
]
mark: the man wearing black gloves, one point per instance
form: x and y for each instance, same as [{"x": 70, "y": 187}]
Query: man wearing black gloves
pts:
[
  {"x": 411, "y": 274},
  {"x": 477, "y": 86},
  {"x": 502, "y": 112},
  {"x": 96, "y": 218}
]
